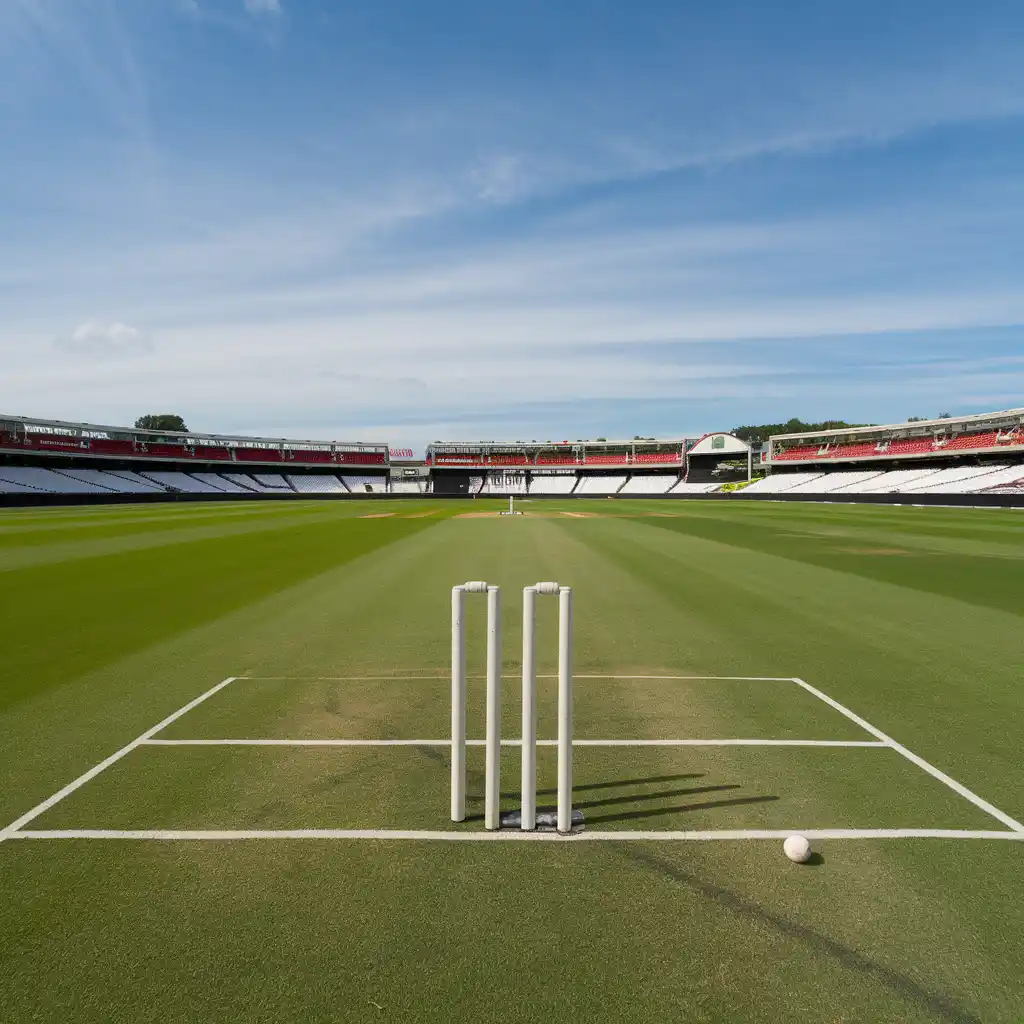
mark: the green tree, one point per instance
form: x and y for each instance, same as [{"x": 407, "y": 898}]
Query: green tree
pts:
[
  {"x": 757, "y": 434},
  {"x": 162, "y": 421}
]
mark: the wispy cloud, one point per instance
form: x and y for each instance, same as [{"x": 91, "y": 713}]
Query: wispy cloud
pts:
[
  {"x": 263, "y": 6},
  {"x": 115, "y": 339}
]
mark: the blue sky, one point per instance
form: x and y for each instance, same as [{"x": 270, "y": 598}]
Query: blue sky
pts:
[{"x": 416, "y": 220}]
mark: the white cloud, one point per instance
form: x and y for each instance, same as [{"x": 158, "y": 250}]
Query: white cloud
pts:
[
  {"x": 263, "y": 6},
  {"x": 94, "y": 338}
]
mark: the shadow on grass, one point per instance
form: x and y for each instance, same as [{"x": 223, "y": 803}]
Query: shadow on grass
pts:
[
  {"x": 703, "y": 805},
  {"x": 650, "y": 781},
  {"x": 726, "y": 901}
]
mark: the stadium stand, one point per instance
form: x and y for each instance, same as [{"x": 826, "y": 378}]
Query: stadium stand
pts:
[
  {"x": 602, "y": 485},
  {"x": 778, "y": 483},
  {"x": 781, "y": 482},
  {"x": 648, "y": 483},
  {"x": 139, "y": 484},
  {"x": 1003, "y": 481},
  {"x": 889, "y": 482},
  {"x": 183, "y": 482},
  {"x": 475, "y": 483},
  {"x": 316, "y": 483},
  {"x": 958, "y": 480},
  {"x": 37, "y": 479},
  {"x": 657, "y": 458},
  {"x": 608, "y": 460},
  {"x": 108, "y": 481},
  {"x": 366, "y": 484},
  {"x": 682, "y": 488},
  {"x": 218, "y": 482},
  {"x": 834, "y": 481},
  {"x": 553, "y": 483},
  {"x": 273, "y": 482},
  {"x": 12, "y": 487}
]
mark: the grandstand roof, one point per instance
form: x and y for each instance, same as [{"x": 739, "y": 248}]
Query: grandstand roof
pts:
[
  {"x": 94, "y": 430},
  {"x": 1008, "y": 417}
]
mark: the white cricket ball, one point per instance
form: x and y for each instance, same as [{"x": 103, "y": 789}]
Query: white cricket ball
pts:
[{"x": 797, "y": 849}]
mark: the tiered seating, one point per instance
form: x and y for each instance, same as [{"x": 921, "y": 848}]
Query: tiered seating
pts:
[
  {"x": 475, "y": 483},
  {"x": 218, "y": 482},
  {"x": 243, "y": 482},
  {"x": 778, "y": 483},
  {"x": 958, "y": 480},
  {"x": 557, "y": 460},
  {"x": 273, "y": 482},
  {"x": 657, "y": 458},
  {"x": 366, "y": 484},
  {"x": 11, "y": 487},
  {"x": 916, "y": 447},
  {"x": 608, "y": 460},
  {"x": 970, "y": 442},
  {"x": 553, "y": 483},
  {"x": 807, "y": 451},
  {"x": 508, "y": 460},
  {"x": 108, "y": 481},
  {"x": 599, "y": 485},
  {"x": 139, "y": 483},
  {"x": 649, "y": 483},
  {"x": 316, "y": 483},
  {"x": 834, "y": 481},
  {"x": 1000, "y": 482},
  {"x": 37, "y": 479},
  {"x": 851, "y": 451},
  {"x": 890, "y": 482},
  {"x": 181, "y": 482},
  {"x": 682, "y": 488},
  {"x": 504, "y": 483}
]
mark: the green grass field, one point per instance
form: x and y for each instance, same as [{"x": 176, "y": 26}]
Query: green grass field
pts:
[{"x": 333, "y": 620}]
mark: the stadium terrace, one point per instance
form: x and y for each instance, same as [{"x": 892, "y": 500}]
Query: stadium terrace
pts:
[{"x": 976, "y": 459}]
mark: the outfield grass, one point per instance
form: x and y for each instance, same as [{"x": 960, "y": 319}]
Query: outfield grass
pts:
[{"x": 116, "y": 617}]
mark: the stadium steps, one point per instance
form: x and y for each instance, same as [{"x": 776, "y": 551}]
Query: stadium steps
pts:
[{"x": 92, "y": 478}]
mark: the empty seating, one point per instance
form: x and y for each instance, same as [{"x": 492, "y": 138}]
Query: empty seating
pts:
[
  {"x": 657, "y": 458},
  {"x": 108, "y": 481},
  {"x": 599, "y": 485},
  {"x": 683, "y": 488},
  {"x": 243, "y": 482},
  {"x": 967, "y": 442},
  {"x": 1000, "y": 482},
  {"x": 181, "y": 482},
  {"x": 316, "y": 483},
  {"x": 778, "y": 483},
  {"x": 10, "y": 487},
  {"x": 607, "y": 460},
  {"x": 271, "y": 481},
  {"x": 215, "y": 480},
  {"x": 958, "y": 480},
  {"x": 35, "y": 478},
  {"x": 552, "y": 483},
  {"x": 366, "y": 484},
  {"x": 139, "y": 483},
  {"x": 833, "y": 482},
  {"x": 889, "y": 482},
  {"x": 807, "y": 451},
  {"x": 649, "y": 483}
]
